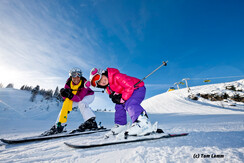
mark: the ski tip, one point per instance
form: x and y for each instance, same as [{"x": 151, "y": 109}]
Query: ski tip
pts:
[
  {"x": 185, "y": 134},
  {"x": 182, "y": 134},
  {"x": 5, "y": 141},
  {"x": 67, "y": 144},
  {"x": 70, "y": 145}
]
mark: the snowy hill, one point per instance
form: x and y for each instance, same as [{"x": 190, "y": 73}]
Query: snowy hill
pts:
[
  {"x": 178, "y": 101},
  {"x": 16, "y": 103},
  {"x": 215, "y": 128},
  {"x": 16, "y": 109}
]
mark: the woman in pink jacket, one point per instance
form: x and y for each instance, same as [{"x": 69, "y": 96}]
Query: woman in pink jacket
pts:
[{"x": 128, "y": 97}]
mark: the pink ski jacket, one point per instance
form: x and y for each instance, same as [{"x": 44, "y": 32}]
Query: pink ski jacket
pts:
[{"x": 121, "y": 83}]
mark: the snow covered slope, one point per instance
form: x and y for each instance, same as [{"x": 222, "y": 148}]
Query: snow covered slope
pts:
[
  {"x": 213, "y": 130},
  {"x": 16, "y": 103},
  {"x": 178, "y": 102},
  {"x": 17, "y": 110}
]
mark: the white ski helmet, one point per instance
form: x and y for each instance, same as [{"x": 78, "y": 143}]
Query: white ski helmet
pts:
[{"x": 74, "y": 72}]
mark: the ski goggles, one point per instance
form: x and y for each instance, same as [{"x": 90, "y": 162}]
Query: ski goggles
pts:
[
  {"x": 96, "y": 77},
  {"x": 75, "y": 74}
]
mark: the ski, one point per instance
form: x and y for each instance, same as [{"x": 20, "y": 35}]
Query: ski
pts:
[
  {"x": 42, "y": 138},
  {"x": 125, "y": 141}
]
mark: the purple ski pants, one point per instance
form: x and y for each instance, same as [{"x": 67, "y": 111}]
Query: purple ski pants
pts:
[{"x": 132, "y": 106}]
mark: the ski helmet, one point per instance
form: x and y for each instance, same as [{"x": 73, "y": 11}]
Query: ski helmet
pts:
[
  {"x": 74, "y": 72},
  {"x": 95, "y": 76}
]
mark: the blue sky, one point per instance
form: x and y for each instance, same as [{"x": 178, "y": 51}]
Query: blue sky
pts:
[{"x": 41, "y": 40}]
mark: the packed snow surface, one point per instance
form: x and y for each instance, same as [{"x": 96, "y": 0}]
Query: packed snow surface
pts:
[{"x": 215, "y": 129}]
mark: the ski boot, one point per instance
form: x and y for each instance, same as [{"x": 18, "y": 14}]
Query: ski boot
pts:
[
  {"x": 117, "y": 129},
  {"x": 90, "y": 124},
  {"x": 56, "y": 129},
  {"x": 142, "y": 126}
]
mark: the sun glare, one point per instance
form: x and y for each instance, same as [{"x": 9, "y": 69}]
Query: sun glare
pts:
[{"x": 9, "y": 75}]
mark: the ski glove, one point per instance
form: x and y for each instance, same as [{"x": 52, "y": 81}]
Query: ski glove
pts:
[
  {"x": 87, "y": 84},
  {"x": 66, "y": 93},
  {"x": 117, "y": 98}
]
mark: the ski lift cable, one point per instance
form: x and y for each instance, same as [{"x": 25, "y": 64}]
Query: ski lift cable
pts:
[{"x": 216, "y": 77}]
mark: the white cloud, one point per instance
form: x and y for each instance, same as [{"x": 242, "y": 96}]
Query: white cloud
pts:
[{"x": 39, "y": 44}]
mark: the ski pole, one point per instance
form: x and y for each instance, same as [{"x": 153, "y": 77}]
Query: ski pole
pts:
[
  {"x": 93, "y": 90},
  {"x": 163, "y": 64},
  {"x": 100, "y": 91}
]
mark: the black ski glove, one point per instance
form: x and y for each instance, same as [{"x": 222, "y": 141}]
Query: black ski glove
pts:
[
  {"x": 116, "y": 98},
  {"x": 66, "y": 93}
]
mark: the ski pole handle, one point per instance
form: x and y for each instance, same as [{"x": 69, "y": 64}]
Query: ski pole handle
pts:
[{"x": 163, "y": 64}]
